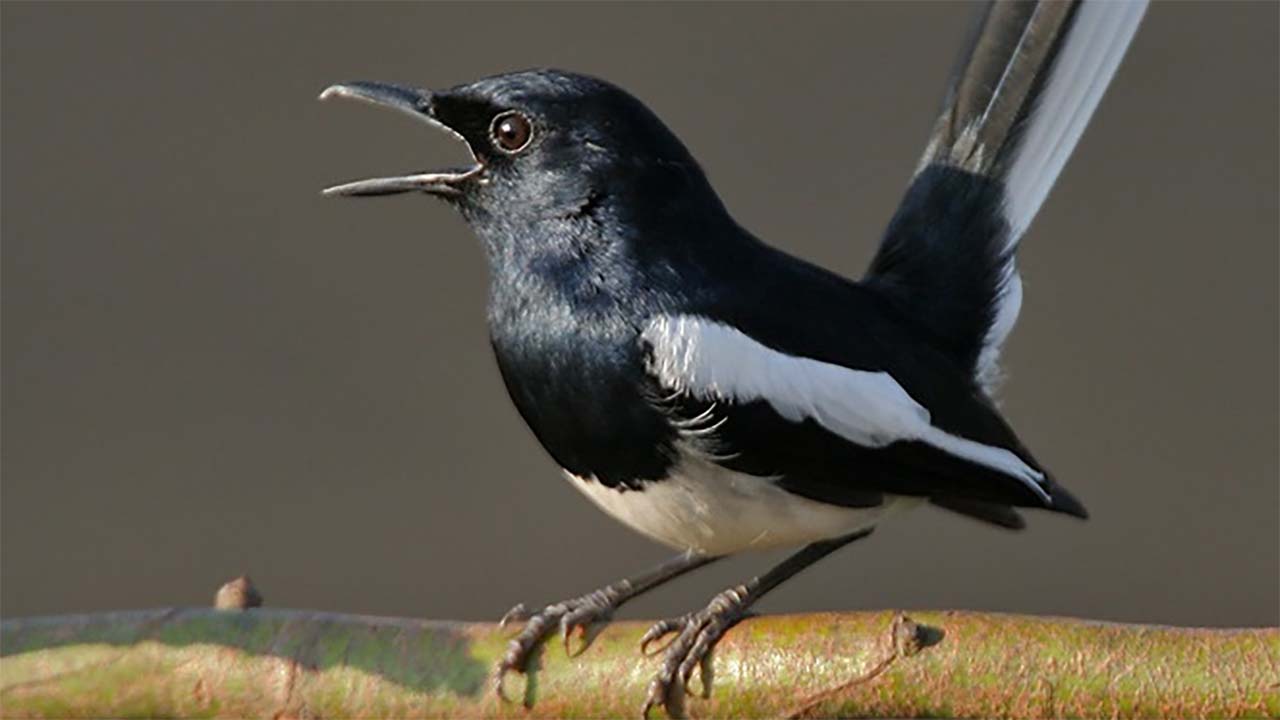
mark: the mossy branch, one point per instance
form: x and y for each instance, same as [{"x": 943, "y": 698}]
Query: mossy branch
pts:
[{"x": 289, "y": 663}]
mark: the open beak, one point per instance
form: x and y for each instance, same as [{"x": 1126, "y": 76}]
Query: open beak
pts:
[{"x": 417, "y": 103}]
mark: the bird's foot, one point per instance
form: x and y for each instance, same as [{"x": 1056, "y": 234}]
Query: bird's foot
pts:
[
  {"x": 571, "y": 616},
  {"x": 695, "y": 635}
]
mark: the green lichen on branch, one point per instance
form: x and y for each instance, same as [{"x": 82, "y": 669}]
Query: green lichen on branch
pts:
[{"x": 281, "y": 663}]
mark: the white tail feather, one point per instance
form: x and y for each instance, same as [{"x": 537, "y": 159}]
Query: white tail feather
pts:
[
  {"x": 1086, "y": 62},
  {"x": 1085, "y": 65}
]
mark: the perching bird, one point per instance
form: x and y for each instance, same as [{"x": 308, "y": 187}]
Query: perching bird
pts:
[{"x": 713, "y": 392}]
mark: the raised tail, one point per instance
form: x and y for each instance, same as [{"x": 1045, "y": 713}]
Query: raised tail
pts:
[{"x": 1021, "y": 94}]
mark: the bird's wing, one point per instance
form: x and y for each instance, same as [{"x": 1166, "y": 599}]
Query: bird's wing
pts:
[
  {"x": 832, "y": 432},
  {"x": 1019, "y": 98}
]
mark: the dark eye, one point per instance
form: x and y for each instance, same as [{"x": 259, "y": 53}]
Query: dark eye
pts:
[{"x": 511, "y": 131}]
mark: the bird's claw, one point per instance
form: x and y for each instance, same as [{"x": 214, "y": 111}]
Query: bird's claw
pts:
[
  {"x": 569, "y": 616},
  {"x": 498, "y": 677},
  {"x": 577, "y": 620},
  {"x": 659, "y": 630},
  {"x": 515, "y": 614},
  {"x": 696, "y": 634}
]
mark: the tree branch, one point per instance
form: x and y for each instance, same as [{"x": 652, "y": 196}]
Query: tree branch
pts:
[{"x": 283, "y": 663}]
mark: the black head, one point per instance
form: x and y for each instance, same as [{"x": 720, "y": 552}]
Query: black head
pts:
[{"x": 546, "y": 144}]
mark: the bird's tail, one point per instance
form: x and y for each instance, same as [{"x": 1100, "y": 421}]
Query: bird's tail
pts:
[{"x": 1019, "y": 98}]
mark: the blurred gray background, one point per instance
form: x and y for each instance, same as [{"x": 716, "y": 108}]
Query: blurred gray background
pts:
[{"x": 209, "y": 369}]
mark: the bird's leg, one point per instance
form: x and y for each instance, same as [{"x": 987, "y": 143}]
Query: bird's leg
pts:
[
  {"x": 579, "y": 612},
  {"x": 698, "y": 632}
]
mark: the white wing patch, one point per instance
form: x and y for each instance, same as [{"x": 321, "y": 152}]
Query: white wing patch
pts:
[{"x": 712, "y": 361}]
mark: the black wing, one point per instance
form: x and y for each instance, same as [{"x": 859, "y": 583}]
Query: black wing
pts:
[{"x": 803, "y": 311}]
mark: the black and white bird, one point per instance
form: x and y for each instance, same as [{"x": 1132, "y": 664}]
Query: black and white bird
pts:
[{"x": 719, "y": 395}]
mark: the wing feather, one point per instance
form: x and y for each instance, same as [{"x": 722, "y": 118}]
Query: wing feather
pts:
[{"x": 714, "y": 362}]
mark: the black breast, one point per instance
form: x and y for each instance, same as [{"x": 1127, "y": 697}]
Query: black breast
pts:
[{"x": 577, "y": 378}]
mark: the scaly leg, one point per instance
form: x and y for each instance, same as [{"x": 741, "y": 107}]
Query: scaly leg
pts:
[
  {"x": 580, "y": 612},
  {"x": 698, "y": 632}
]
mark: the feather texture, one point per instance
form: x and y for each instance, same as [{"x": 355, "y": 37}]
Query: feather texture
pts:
[
  {"x": 715, "y": 362},
  {"x": 1019, "y": 99}
]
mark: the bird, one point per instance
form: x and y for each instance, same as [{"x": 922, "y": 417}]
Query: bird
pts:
[{"x": 717, "y": 394}]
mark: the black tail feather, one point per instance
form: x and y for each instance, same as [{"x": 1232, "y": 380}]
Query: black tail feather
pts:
[
  {"x": 1065, "y": 502},
  {"x": 1002, "y": 515}
]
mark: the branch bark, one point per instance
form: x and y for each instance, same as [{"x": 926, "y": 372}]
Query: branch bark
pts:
[{"x": 296, "y": 664}]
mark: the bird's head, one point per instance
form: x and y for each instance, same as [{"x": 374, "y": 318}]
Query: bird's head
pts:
[{"x": 546, "y": 144}]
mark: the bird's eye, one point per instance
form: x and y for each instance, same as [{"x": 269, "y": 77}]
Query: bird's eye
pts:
[{"x": 511, "y": 131}]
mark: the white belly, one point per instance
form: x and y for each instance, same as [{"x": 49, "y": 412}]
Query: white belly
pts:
[{"x": 709, "y": 509}]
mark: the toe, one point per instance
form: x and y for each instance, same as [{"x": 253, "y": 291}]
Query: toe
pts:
[
  {"x": 693, "y": 660},
  {"x": 569, "y": 622},
  {"x": 652, "y": 697},
  {"x": 578, "y": 620},
  {"x": 660, "y": 695},
  {"x": 498, "y": 681},
  {"x": 515, "y": 614},
  {"x": 657, "y": 631}
]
